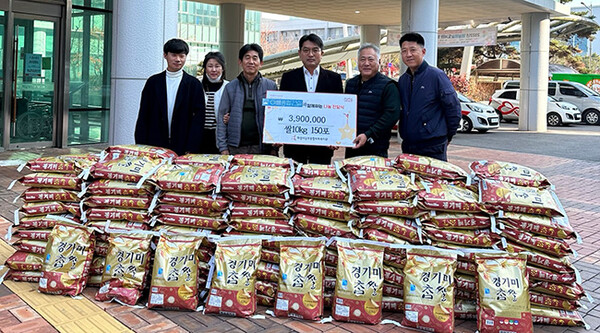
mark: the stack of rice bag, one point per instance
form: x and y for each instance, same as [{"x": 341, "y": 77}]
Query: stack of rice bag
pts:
[
  {"x": 118, "y": 197},
  {"x": 53, "y": 189},
  {"x": 187, "y": 192},
  {"x": 451, "y": 217},
  {"x": 321, "y": 207},
  {"x": 259, "y": 187},
  {"x": 385, "y": 201},
  {"x": 532, "y": 220}
]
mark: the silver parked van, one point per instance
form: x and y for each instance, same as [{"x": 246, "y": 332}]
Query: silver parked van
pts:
[{"x": 586, "y": 100}]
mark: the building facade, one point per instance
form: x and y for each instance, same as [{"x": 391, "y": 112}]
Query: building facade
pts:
[
  {"x": 198, "y": 25},
  {"x": 56, "y": 58}
]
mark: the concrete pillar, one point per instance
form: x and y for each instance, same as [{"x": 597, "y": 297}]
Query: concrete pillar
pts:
[
  {"x": 422, "y": 16},
  {"x": 535, "y": 52},
  {"x": 231, "y": 38},
  {"x": 370, "y": 33},
  {"x": 139, "y": 33},
  {"x": 467, "y": 60}
]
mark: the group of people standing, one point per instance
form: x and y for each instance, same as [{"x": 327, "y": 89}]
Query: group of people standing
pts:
[{"x": 214, "y": 116}]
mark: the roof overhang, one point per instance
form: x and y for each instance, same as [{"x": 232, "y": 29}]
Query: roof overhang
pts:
[{"x": 388, "y": 12}]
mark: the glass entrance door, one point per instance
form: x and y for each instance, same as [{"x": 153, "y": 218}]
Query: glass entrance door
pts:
[{"x": 33, "y": 92}]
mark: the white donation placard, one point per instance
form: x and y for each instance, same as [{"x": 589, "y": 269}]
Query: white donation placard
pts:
[{"x": 317, "y": 119}]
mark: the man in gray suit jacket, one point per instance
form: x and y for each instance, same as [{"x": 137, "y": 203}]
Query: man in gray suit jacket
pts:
[{"x": 242, "y": 102}]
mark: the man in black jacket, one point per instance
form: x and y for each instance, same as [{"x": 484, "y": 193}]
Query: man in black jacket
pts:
[
  {"x": 378, "y": 106},
  {"x": 310, "y": 78},
  {"x": 172, "y": 106}
]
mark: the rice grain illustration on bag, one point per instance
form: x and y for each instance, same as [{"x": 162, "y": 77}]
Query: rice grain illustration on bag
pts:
[
  {"x": 300, "y": 292},
  {"x": 429, "y": 289},
  {"x": 359, "y": 284},
  {"x": 232, "y": 291},
  {"x": 175, "y": 273},
  {"x": 503, "y": 293}
]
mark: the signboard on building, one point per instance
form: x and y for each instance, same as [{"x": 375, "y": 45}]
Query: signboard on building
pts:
[{"x": 467, "y": 37}]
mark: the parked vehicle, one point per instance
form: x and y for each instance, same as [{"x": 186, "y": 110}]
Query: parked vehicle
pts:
[
  {"x": 506, "y": 103},
  {"x": 586, "y": 99},
  {"x": 476, "y": 116}
]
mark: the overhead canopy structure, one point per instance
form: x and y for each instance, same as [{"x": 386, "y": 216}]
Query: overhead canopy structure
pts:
[
  {"x": 388, "y": 12},
  {"x": 346, "y": 48}
]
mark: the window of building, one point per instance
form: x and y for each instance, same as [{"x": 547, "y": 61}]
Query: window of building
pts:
[{"x": 89, "y": 88}]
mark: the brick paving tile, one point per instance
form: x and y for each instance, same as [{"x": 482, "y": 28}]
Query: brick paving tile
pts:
[
  {"x": 24, "y": 313},
  {"x": 10, "y": 302},
  {"x": 189, "y": 323},
  {"x": 245, "y": 325},
  {"x": 277, "y": 329},
  {"x": 338, "y": 329},
  {"x": 550, "y": 329},
  {"x": 176, "y": 330},
  {"x": 593, "y": 321},
  {"x": 158, "y": 327},
  {"x": 131, "y": 320},
  {"x": 32, "y": 326},
  {"x": 8, "y": 319},
  {"x": 299, "y": 326},
  {"x": 4, "y": 291},
  {"x": 150, "y": 316}
]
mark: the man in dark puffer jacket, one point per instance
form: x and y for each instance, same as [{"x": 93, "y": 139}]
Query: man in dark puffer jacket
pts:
[{"x": 378, "y": 105}]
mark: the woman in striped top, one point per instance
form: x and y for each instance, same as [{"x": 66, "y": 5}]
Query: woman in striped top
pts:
[{"x": 213, "y": 81}]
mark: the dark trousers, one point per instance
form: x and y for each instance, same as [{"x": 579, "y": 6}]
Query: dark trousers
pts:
[
  {"x": 437, "y": 150},
  {"x": 308, "y": 154},
  {"x": 209, "y": 142},
  {"x": 367, "y": 150}
]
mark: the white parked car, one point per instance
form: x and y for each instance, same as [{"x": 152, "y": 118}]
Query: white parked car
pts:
[
  {"x": 506, "y": 103},
  {"x": 584, "y": 98},
  {"x": 476, "y": 116}
]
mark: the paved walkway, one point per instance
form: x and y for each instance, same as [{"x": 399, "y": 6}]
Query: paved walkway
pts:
[{"x": 577, "y": 184}]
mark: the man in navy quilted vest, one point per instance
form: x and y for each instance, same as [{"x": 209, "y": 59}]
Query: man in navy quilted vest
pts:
[
  {"x": 378, "y": 105},
  {"x": 430, "y": 108}
]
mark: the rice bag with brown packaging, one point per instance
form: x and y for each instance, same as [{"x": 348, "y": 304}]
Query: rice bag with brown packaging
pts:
[
  {"x": 509, "y": 172},
  {"x": 203, "y": 159},
  {"x": 174, "y": 282},
  {"x": 232, "y": 291},
  {"x": 548, "y": 316},
  {"x": 188, "y": 178},
  {"x": 429, "y": 167},
  {"x": 67, "y": 259},
  {"x": 24, "y": 261},
  {"x": 142, "y": 150},
  {"x": 126, "y": 268},
  {"x": 429, "y": 289},
  {"x": 257, "y": 180},
  {"x": 300, "y": 293},
  {"x": 381, "y": 185},
  {"x": 329, "y": 188},
  {"x": 503, "y": 293},
  {"x": 359, "y": 282}
]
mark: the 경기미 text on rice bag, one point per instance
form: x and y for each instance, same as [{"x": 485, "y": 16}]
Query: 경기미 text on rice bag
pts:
[
  {"x": 429, "y": 289},
  {"x": 67, "y": 259},
  {"x": 503, "y": 293},
  {"x": 300, "y": 293},
  {"x": 232, "y": 291},
  {"x": 127, "y": 264},
  {"x": 175, "y": 273},
  {"x": 359, "y": 283}
]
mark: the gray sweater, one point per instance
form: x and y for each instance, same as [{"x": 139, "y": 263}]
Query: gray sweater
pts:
[{"x": 232, "y": 102}]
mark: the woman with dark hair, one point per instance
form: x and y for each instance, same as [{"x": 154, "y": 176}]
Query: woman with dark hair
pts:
[{"x": 213, "y": 81}]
